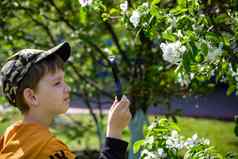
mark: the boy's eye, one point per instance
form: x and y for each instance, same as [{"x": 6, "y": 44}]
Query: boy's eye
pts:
[{"x": 57, "y": 83}]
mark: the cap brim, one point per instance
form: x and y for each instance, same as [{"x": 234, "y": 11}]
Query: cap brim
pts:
[{"x": 63, "y": 50}]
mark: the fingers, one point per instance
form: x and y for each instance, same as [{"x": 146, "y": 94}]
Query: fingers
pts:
[
  {"x": 114, "y": 103},
  {"x": 122, "y": 105},
  {"x": 124, "y": 102},
  {"x": 119, "y": 115}
]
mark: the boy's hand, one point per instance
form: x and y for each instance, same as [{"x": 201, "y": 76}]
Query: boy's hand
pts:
[{"x": 118, "y": 117}]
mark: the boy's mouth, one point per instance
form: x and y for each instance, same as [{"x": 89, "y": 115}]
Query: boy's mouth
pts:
[{"x": 67, "y": 99}]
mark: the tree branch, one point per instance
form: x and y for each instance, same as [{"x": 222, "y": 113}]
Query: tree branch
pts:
[
  {"x": 86, "y": 100},
  {"x": 61, "y": 15},
  {"x": 115, "y": 39},
  {"x": 30, "y": 12},
  {"x": 89, "y": 81},
  {"x": 46, "y": 28}
]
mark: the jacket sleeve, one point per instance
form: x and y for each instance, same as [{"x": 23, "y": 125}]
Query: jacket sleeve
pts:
[
  {"x": 113, "y": 149},
  {"x": 1, "y": 143}
]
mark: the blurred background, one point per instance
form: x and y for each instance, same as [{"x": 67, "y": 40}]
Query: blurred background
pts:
[{"x": 176, "y": 59}]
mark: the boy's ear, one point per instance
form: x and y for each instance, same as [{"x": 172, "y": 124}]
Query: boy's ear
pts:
[{"x": 29, "y": 96}]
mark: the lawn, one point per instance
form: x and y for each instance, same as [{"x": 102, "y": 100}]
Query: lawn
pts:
[{"x": 220, "y": 133}]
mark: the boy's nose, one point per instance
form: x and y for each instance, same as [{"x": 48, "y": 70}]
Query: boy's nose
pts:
[{"x": 67, "y": 88}]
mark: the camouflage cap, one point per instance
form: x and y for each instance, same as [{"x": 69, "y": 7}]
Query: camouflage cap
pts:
[{"x": 17, "y": 66}]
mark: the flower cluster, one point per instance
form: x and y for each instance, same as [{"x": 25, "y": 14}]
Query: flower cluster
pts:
[
  {"x": 153, "y": 154},
  {"x": 163, "y": 140},
  {"x": 214, "y": 52},
  {"x": 124, "y": 6},
  {"x": 84, "y": 3},
  {"x": 183, "y": 79},
  {"x": 135, "y": 18},
  {"x": 136, "y": 15},
  {"x": 172, "y": 52},
  {"x": 174, "y": 141}
]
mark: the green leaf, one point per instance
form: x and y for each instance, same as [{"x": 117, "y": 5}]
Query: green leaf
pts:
[
  {"x": 169, "y": 36},
  {"x": 230, "y": 89},
  {"x": 199, "y": 58},
  {"x": 114, "y": 11},
  {"x": 213, "y": 37},
  {"x": 137, "y": 145},
  {"x": 184, "y": 22},
  {"x": 105, "y": 16},
  {"x": 2, "y": 100},
  {"x": 226, "y": 39},
  {"x": 175, "y": 126},
  {"x": 224, "y": 67},
  {"x": 187, "y": 62},
  {"x": 178, "y": 11},
  {"x": 83, "y": 16},
  {"x": 191, "y": 35},
  {"x": 182, "y": 3},
  {"x": 154, "y": 10},
  {"x": 155, "y": 2},
  {"x": 204, "y": 48}
]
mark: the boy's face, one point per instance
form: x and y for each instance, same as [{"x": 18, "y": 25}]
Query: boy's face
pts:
[{"x": 52, "y": 93}]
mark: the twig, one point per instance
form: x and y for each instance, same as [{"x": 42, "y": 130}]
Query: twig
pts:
[{"x": 89, "y": 81}]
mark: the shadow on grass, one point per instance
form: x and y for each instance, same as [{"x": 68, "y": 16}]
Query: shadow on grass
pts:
[{"x": 235, "y": 143}]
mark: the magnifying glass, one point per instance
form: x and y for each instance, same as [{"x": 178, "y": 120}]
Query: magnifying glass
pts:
[{"x": 115, "y": 71}]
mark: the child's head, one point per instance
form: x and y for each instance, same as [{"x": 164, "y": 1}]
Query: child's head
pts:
[{"x": 25, "y": 75}]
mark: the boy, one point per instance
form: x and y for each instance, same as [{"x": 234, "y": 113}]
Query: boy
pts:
[{"x": 33, "y": 81}]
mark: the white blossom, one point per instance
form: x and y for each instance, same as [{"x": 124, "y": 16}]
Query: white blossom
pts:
[
  {"x": 213, "y": 72},
  {"x": 198, "y": 27},
  {"x": 192, "y": 75},
  {"x": 135, "y": 18},
  {"x": 194, "y": 137},
  {"x": 149, "y": 140},
  {"x": 145, "y": 24},
  {"x": 124, "y": 6},
  {"x": 233, "y": 72},
  {"x": 213, "y": 53},
  {"x": 148, "y": 154},
  {"x": 173, "y": 22},
  {"x": 161, "y": 153},
  {"x": 174, "y": 134},
  {"x": 108, "y": 51},
  {"x": 184, "y": 79},
  {"x": 174, "y": 141},
  {"x": 172, "y": 52},
  {"x": 152, "y": 126},
  {"x": 205, "y": 142},
  {"x": 179, "y": 34},
  {"x": 1, "y": 86},
  {"x": 84, "y": 3},
  {"x": 191, "y": 142},
  {"x": 146, "y": 5}
]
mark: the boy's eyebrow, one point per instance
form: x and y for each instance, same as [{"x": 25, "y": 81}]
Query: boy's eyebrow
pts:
[{"x": 58, "y": 77}]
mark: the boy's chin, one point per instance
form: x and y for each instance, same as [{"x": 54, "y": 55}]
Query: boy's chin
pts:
[{"x": 64, "y": 110}]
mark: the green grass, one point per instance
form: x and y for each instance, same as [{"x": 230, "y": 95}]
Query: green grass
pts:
[{"x": 219, "y": 133}]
